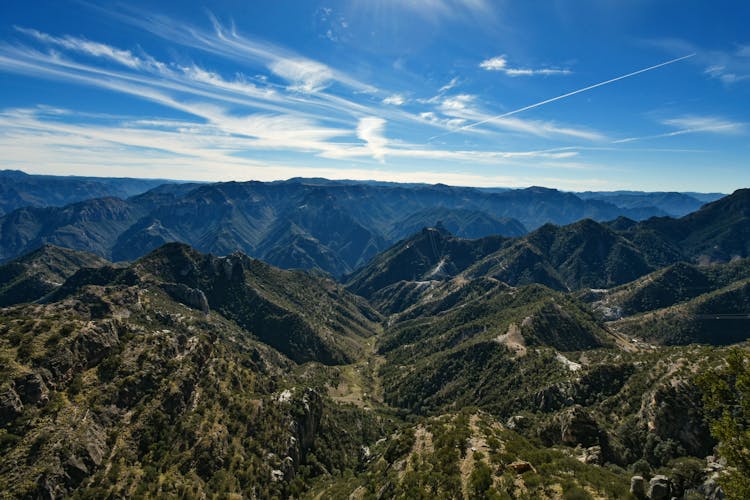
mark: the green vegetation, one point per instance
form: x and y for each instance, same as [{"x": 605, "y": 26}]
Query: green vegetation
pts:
[
  {"x": 472, "y": 372},
  {"x": 727, "y": 398}
]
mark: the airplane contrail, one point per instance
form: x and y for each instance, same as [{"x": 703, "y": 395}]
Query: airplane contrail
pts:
[{"x": 547, "y": 101}]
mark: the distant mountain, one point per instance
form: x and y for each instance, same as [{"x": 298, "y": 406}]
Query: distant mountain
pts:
[
  {"x": 719, "y": 317},
  {"x": 585, "y": 254},
  {"x": 40, "y": 272},
  {"x": 334, "y": 226},
  {"x": 669, "y": 203},
  {"x": 463, "y": 223},
  {"x": 432, "y": 254},
  {"x": 666, "y": 287},
  {"x": 18, "y": 189},
  {"x": 719, "y": 231},
  {"x": 92, "y": 226}
]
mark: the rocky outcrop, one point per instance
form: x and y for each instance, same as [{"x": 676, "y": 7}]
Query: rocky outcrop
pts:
[
  {"x": 573, "y": 426},
  {"x": 32, "y": 390},
  {"x": 638, "y": 487},
  {"x": 90, "y": 346},
  {"x": 191, "y": 297},
  {"x": 520, "y": 466},
  {"x": 306, "y": 426},
  {"x": 658, "y": 488},
  {"x": 674, "y": 411},
  {"x": 81, "y": 456},
  {"x": 10, "y": 405}
]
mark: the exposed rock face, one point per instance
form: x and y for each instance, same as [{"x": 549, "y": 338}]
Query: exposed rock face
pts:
[
  {"x": 307, "y": 425},
  {"x": 638, "y": 486},
  {"x": 191, "y": 297},
  {"x": 90, "y": 346},
  {"x": 674, "y": 411},
  {"x": 81, "y": 456},
  {"x": 577, "y": 426},
  {"x": 32, "y": 389},
  {"x": 519, "y": 466},
  {"x": 711, "y": 489},
  {"x": 592, "y": 455},
  {"x": 658, "y": 488},
  {"x": 10, "y": 405}
]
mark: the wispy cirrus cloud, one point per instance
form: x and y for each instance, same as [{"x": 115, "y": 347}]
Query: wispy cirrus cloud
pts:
[
  {"x": 395, "y": 100},
  {"x": 371, "y": 130},
  {"x": 500, "y": 63},
  {"x": 464, "y": 107},
  {"x": 94, "y": 49},
  {"x": 692, "y": 124},
  {"x": 185, "y": 149},
  {"x": 307, "y": 81},
  {"x": 730, "y": 66},
  {"x": 449, "y": 86},
  {"x": 442, "y": 10},
  {"x": 291, "y": 104},
  {"x": 303, "y": 75}
]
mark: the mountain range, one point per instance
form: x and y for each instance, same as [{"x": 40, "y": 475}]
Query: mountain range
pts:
[
  {"x": 19, "y": 189},
  {"x": 333, "y": 226},
  {"x": 567, "y": 361}
]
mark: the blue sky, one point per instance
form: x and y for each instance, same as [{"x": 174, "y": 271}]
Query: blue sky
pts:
[{"x": 454, "y": 91}]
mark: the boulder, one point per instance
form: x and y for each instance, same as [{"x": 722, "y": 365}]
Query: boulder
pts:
[
  {"x": 638, "y": 486},
  {"x": 32, "y": 389},
  {"x": 658, "y": 488},
  {"x": 520, "y": 466},
  {"x": 10, "y": 405},
  {"x": 592, "y": 455}
]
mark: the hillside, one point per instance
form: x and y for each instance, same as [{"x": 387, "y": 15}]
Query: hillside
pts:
[
  {"x": 40, "y": 272},
  {"x": 433, "y": 253},
  {"x": 719, "y": 317},
  {"x": 719, "y": 231},
  {"x": 130, "y": 387},
  {"x": 304, "y": 317},
  {"x": 160, "y": 374},
  {"x": 666, "y": 287}
]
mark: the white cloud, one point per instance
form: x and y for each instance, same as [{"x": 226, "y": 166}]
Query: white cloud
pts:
[
  {"x": 500, "y": 63},
  {"x": 692, "y": 125},
  {"x": 706, "y": 124},
  {"x": 370, "y": 129},
  {"x": 541, "y": 71},
  {"x": 304, "y": 75},
  {"x": 438, "y": 10},
  {"x": 497, "y": 63},
  {"x": 721, "y": 72},
  {"x": 448, "y": 86},
  {"x": 725, "y": 66},
  {"x": 395, "y": 100},
  {"x": 463, "y": 107},
  {"x": 94, "y": 49},
  {"x": 459, "y": 102}
]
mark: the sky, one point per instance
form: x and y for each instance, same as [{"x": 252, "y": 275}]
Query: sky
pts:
[{"x": 571, "y": 94}]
